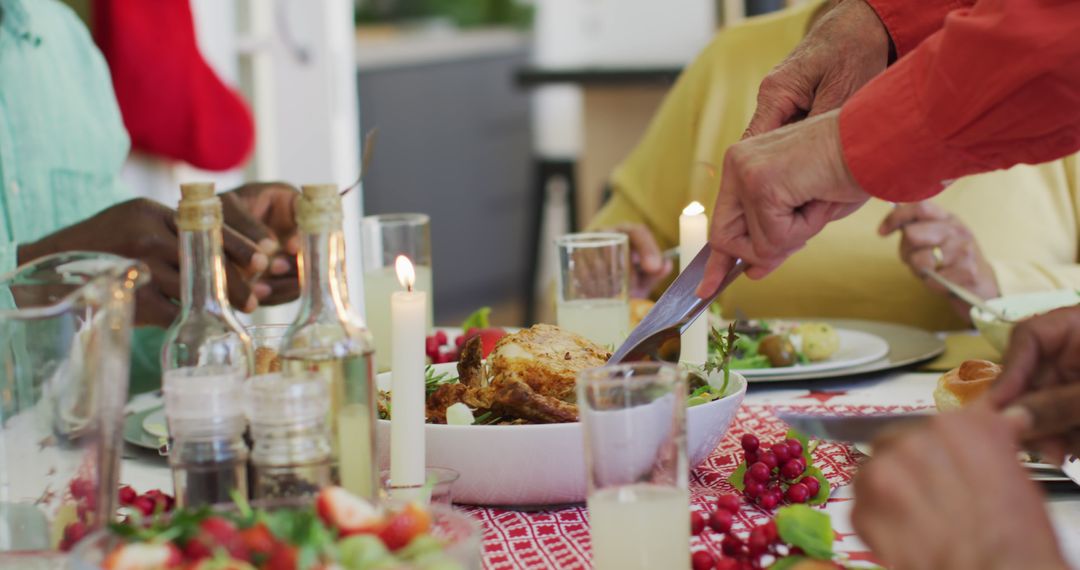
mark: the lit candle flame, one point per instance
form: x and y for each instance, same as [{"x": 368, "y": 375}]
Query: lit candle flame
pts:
[
  {"x": 406, "y": 275},
  {"x": 693, "y": 209}
]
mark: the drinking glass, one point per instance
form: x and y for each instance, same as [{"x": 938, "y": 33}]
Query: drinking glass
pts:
[
  {"x": 383, "y": 238},
  {"x": 634, "y": 420},
  {"x": 594, "y": 285}
]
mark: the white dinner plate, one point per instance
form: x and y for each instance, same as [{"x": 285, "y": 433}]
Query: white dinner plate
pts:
[
  {"x": 856, "y": 348},
  {"x": 1037, "y": 471}
]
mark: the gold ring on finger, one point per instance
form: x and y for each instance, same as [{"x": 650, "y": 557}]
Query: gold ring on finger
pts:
[{"x": 939, "y": 257}]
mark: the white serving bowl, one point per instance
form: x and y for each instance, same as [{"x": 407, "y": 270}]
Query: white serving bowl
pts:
[
  {"x": 541, "y": 464},
  {"x": 1018, "y": 307}
]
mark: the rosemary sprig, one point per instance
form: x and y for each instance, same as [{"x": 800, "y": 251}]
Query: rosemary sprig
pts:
[{"x": 432, "y": 381}]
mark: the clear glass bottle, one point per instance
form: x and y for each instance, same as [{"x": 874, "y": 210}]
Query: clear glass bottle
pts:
[
  {"x": 208, "y": 456},
  {"x": 291, "y": 454},
  {"x": 207, "y": 331},
  {"x": 329, "y": 338}
]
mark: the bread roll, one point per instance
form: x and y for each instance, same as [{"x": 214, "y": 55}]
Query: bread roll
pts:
[{"x": 964, "y": 383}]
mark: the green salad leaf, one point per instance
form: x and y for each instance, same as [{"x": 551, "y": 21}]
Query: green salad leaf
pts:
[
  {"x": 480, "y": 319},
  {"x": 737, "y": 477},
  {"x": 807, "y": 528}
]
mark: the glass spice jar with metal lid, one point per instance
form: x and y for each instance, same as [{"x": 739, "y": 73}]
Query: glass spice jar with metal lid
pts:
[{"x": 291, "y": 454}]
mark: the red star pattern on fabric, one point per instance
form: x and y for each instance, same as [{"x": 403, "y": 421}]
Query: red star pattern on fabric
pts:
[
  {"x": 840, "y": 536},
  {"x": 560, "y": 539},
  {"x": 822, "y": 396}
]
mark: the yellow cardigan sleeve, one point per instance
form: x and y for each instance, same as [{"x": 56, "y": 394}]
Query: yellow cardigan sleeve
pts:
[{"x": 1030, "y": 276}]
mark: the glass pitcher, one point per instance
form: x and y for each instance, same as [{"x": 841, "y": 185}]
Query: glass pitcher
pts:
[{"x": 65, "y": 335}]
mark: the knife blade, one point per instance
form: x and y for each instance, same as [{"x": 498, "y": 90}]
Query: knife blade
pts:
[
  {"x": 850, "y": 429},
  {"x": 676, "y": 309}
]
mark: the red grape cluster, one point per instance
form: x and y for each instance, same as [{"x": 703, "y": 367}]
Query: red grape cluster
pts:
[
  {"x": 83, "y": 491},
  {"x": 739, "y": 554},
  {"x": 150, "y": 502},
  {"x": 436, "y": 348},
  {"x": 776, "y": 473}
]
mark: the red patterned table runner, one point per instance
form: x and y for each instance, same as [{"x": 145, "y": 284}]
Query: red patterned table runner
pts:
[{"x": 560, "y": 539}]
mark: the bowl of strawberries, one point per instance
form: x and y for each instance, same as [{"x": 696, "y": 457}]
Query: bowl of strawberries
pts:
[{"x": 337, "y": 530}]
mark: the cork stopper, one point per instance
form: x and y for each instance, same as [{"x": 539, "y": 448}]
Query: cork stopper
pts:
[
  {"x": 200, "y": 208},
  {"x": 196, "y": 190},
  {"x": 319, "y": 208}
]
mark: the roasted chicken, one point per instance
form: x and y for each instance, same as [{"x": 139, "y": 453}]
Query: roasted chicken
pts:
[{"x": 529, "y": 376}]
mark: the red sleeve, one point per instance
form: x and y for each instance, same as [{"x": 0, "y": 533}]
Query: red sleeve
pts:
[
  {"x": 998, "y": 85},
  {"x": 909, "y": 24}
]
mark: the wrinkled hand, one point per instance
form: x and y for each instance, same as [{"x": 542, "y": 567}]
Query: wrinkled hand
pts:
[
  {"x": 146, "y": 230},
  {"x": 264, "y": 213},
  {"x": 1040, "y": 382},
  {"x": 843, "y": 50},
  {"x": 951, "y": 495},
  {"x": 926, "y": 226},
  {"x": 648, "y": 267},
  {"x": 778, "y": 190}
]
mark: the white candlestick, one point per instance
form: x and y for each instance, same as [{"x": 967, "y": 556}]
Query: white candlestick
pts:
[
  {"x": 693, "y": 235},
  {"x": 408, "y": 315}
]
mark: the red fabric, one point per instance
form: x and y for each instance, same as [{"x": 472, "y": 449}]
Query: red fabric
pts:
[
  {"x": 560, "y": 539},
  {"x": 998, "y": 85},
  {"x": 909, "y": 24},
  {"x": 173, "y": 103}
]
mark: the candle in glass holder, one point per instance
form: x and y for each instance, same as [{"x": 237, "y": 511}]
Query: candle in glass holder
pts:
[
  {"x": 408, "y": 316},
  {"x": 693, "y": 235}
]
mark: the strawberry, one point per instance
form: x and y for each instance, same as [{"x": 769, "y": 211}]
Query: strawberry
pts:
[
  {"x": 215, "y": 533},
  {"x": 143, "y": 556},
  {"x": 258, "y": 540},
  {"x": 440, "y": 337},
  {"x": 283, "y": 557},
  {"x": 488, "y": 337},
  {"x": 346, "y": 512},
  {"x": 405, "y": 525}
]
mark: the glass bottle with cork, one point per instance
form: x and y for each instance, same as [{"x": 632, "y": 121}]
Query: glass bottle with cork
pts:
[
  {"x": 207, "y": 331},
  {"x": 329, "y": 338},
  {"x": 205, "y": 357},
  {"x": 291, "y": 454}
]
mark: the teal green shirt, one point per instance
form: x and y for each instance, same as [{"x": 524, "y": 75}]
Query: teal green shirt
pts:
[{"x": 62, "y": 140}]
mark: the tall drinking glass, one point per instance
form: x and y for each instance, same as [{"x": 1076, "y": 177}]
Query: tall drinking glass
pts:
[
  {"x": 594, "y": 286},
  {"x": 383, "y": 238},
  {"x": 634, "y": 420}
]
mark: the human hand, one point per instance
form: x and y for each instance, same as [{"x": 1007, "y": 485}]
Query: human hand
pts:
[
  {"x": 950, "y": 494},
  {"x": 146, "y": 230},
  {"x": 1040, "y": 382},
  {"x": 778, "y": 190},
  {"x": 265, "y": 214},
  {"x": 935, "y": 239},
  {"x": 648, "y": 266},
  {"x": 843, "y": 51}
]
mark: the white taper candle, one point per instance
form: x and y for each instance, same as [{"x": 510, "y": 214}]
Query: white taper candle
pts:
[
  {"x": 693, "y": 235},
  {"x": 408, "y": 316}
]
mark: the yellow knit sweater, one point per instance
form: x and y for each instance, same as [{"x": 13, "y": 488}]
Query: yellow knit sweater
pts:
[{"x": 1025, "y": 219}]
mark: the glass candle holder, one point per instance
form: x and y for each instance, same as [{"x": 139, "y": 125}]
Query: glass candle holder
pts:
[
  {"x": 594, "y": 286},
  {"x": 383, "y": 238}
]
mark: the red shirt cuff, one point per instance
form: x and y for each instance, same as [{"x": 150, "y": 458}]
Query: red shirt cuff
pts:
[
  {"x": 887, "y": 145},
  {"x": 909, "y": 23}
]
